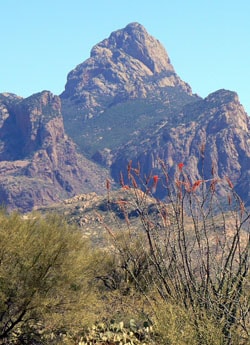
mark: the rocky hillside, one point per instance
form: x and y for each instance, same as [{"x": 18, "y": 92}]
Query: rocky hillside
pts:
[
  {"x": 39, "y": 163},
  {"x": 213, "y": 134},
  {"x": 95, "y": 213}
]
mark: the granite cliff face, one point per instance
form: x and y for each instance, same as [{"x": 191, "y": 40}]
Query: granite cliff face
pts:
[
  {"x": 39, "y": 163},
  {"x": 128, "y": 64}
]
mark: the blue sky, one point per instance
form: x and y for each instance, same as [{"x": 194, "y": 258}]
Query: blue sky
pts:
[{"x": 42, "y": 41}]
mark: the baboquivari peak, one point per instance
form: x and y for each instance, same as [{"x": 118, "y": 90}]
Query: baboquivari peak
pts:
[
  {"x": 125, "y": 102},
  {"x": 130, "y": 63}
]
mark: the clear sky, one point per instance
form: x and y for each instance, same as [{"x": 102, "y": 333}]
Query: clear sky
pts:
[{"x": 208, "y": 41}]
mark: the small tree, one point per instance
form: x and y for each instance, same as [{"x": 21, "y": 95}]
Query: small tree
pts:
[
  {"x": 196, "y": 248},
  {"x": 45, "y": 272}
]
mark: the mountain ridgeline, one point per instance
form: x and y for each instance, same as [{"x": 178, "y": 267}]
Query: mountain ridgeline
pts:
[{"x": 125, "y": 102}]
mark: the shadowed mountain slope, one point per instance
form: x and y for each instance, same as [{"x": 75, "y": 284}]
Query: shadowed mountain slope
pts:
[{"x": 39, "y": 163}]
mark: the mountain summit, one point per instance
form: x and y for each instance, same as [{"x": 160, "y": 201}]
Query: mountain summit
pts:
[
  {"x": 130, "y": 67},
  {"x": 129, "y": 64},
  {"x": 134, "y": 41},
  {"x": 126, "y": 102}
]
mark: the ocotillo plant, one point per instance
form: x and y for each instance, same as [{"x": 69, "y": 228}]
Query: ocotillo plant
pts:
[{"x": 194, "y": 250}]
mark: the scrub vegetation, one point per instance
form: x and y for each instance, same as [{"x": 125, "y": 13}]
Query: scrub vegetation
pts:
[{"x": 182, "y": 278}]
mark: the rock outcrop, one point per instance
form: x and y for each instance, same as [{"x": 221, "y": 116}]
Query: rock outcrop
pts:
[
  {"x": 128, "y": 64},
  {"x": 39, "y": 163},
  {"x": 212, "y": 134}
]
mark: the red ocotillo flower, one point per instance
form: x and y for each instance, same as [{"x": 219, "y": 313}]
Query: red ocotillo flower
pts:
[
  {"x": 155, "y": 181},
  {"x": 180, "y": 166},
  {"x": 196, "y": 185},
  {"x": 229, "y": 182}
]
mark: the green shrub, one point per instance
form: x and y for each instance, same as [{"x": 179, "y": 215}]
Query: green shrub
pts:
[
  {"x": 45, "y": 278},
  {"x": 177, "y": 325}
]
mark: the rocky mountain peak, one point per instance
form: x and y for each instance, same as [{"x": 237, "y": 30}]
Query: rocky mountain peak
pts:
[
  {"x": 23, "y": 132},
  {"x": 129, "y": 64},
  {"x": 227, "y": 110},
  {"x": 135, "y": 41}
]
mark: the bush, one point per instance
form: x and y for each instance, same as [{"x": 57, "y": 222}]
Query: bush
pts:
[
  {"x": 176, "y": 325},
  {"x": 45, "y": 277}
]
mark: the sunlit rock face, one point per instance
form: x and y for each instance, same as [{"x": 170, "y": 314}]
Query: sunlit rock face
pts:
[{"x": 129, "y": 64}]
